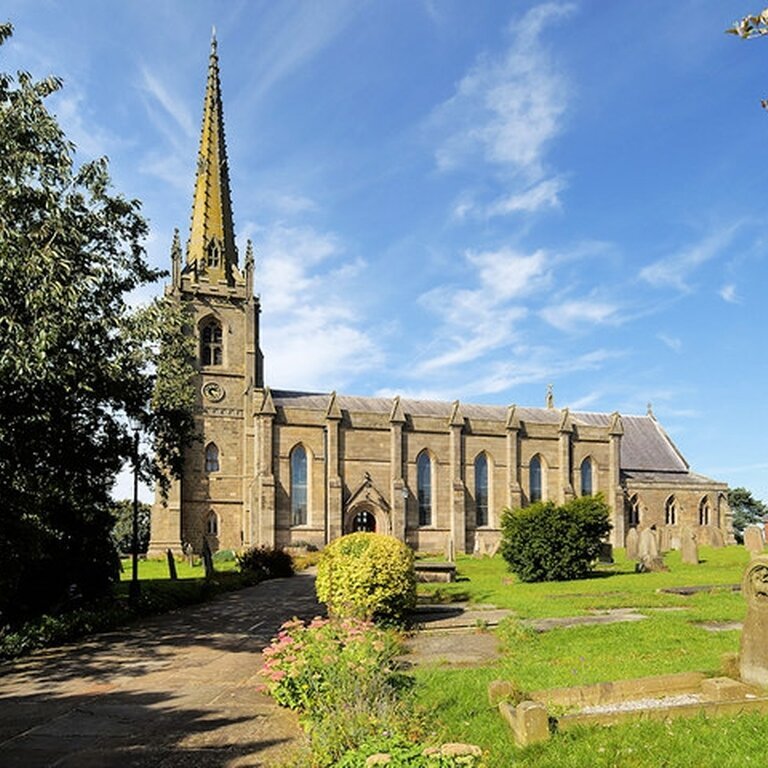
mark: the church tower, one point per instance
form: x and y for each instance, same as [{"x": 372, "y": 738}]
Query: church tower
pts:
[{"x": 210, "y": 500}]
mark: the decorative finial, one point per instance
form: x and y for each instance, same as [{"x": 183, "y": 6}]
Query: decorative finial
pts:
[
  {"x": 649, "y": 411},
  {"x": 213, "y": 37},
  {"x": 550, "y": 396}
]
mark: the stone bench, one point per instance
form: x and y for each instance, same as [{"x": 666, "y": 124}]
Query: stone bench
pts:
[{"x": 435, "y": 572}]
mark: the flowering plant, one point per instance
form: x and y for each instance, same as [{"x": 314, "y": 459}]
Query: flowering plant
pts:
[{"x": 309, "y": 664}]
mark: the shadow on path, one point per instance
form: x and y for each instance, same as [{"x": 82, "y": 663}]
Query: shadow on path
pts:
[{"x": 174, "y": 690}]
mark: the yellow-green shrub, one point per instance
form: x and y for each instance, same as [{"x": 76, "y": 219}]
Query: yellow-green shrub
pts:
[{"x": 367, "y": 576}]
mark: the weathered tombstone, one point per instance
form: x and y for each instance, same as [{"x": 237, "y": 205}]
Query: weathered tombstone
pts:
[
  {"x": 632, "y": 544},
  {"x": 716, "y": 538},
  {"x": 689, "y": 551},
  {"x": 189, "y": 554},
  {"x": 171, "y": 564},
  {"x": 753, "y": 654},
  {"x": 449, "y": 551},
  {"x": 208, "y": 560},
  {"x": 647, "y": 545},
  {"x": 663, "y": 542},
  {"x": 606, "y": 553},
  {"x": 753, "y": 539},
  {"x": 477, "y": 551}
]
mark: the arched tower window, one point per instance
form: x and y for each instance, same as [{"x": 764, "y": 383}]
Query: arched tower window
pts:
[
  {"x": 299, "y": 486},
  {"x": 212, "y": 524},
  {"x": 633, "y": 511},
  {"x": 670, "y": 511},
  {"x": 424, "y": 487},
  {"x": 535, "y": 471},
  {"x": 211, "y": 458},
  {"x": 211, "y": 343},
  {"x": 481, "y": 489},
  {"x": 214, "y": 253},
  {"x": 704, "y": 511},
  {"x": 586, "y": 477}
]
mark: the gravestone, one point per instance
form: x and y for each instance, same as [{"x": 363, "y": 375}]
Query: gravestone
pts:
[
  {"x": 450, "y": 555},
  {"x": 478, "y": 549},
  {"x": 689, "y": 551},
  {"x": 663, "y": 541},
  {"x": 189, "y": 554},
  {"x": 208, "y": 560},
  {"x": 648, "y": 553},
  {"x": 753, "y": 654},
  {"x": 753, "y": 539},
  {"x": 171, "y": 564},
  {"x": 716, "y": 538},
  {"x": 632, "y": 544},
  {"x": 606, "y": 553}
]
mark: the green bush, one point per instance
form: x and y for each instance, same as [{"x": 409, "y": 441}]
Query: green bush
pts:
[
  {"x": 265, "y": 563},
  {"x": 546, "y": 542},
  {"x": 367, "y": 576}
]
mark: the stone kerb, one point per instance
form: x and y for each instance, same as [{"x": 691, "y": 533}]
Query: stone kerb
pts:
[{"x": 753, "y": 655}]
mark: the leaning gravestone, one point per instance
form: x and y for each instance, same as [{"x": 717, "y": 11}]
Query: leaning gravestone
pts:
[
  {"x": 648, "y": 552},
  {"x": 689, "y": 552},
  {"x": 632, "y": 544},
  {"x": 753, "y": 655},
  {"x": 753, "y": 539}
]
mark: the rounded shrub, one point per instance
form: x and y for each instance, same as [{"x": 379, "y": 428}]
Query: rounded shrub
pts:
[{"x": 367, "y": 576}]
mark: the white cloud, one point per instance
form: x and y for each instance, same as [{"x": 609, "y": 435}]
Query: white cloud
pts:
[
  {"x": 571, "y": 315},
  {"x": 545, "y": 194},
  {"x": 728, "y": 293},
  {"x": 90, "y": 139},
  {"x": 674, "y": 343},
  {"x": 174, "y": 108},
  {"x": 312, "y": 335},
  {"x": 675, "y": 270},
  {"x": 509, "y": 108}
]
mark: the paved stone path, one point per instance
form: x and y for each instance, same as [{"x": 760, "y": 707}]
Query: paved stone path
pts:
[{"x": 171, "y": 691}]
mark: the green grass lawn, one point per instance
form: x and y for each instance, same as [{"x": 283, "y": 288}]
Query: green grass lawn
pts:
[
  {"x": 158, "y": 569},
  {"x": 670, "y": 640}
]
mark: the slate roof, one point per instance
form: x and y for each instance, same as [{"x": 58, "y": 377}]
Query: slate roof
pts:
[{"x": 645, "y": 447}]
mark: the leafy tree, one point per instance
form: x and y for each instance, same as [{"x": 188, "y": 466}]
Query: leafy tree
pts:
[
  {"x": 547, "y": 542},
  {"x": 75, "y": 362},
  {"x": 122, "y": 529},
  {"x": 746, "y": 510},
  {"x": 752, "y": 25}
]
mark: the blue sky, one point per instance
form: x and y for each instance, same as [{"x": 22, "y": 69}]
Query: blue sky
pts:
[{"x": 461, "y": 200}]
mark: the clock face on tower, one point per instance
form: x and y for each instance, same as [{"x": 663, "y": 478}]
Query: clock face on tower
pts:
[{"x": 213, "y": 392}]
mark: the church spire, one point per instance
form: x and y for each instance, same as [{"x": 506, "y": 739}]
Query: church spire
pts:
[{"x": 211, "y": 250}]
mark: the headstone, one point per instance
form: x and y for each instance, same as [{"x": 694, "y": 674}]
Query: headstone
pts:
[
  {"x": 753, "y": 655},
  {"x": 663, "y": 542},
  {"x": 716, "y": 538},
  {"x": 208, "y": 559},
  {"x": 189, "y": 554},
  {"x": 689, "y": 551},
  {"x": 647, "y": 545},
  {"x": 450, "y": 555},
  {"x": 478, "y": 548},
  {"x": 171, "y": 564},
  {"x": 606, "y": 553},
  {"x": 632, "y": 544},
  {"x": 753, "y": 539}
]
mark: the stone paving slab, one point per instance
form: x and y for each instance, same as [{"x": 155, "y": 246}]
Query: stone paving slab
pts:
[{"x": 167, "y": 692}]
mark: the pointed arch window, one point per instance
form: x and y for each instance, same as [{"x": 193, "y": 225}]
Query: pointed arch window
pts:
[
  {"x": 535, "y": 471},
  {"x": 212, "y": 524},
  {"x": 211, "y": 458},
  {"x": 214, "y": 253},
  {"x": 211, "y": 343},
  {"x": 481, "y": 489},
  {"x": 633, "y": 511},
  {"x": 704, "y": 511},
  {"x": 586, "y": 477},
  {"x": 424, "y": 487},
  {"x": 670, "y": 511},
  {"x": 299, "y": 486}
]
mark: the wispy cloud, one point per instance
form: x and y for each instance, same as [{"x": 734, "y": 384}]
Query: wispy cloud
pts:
[
  {"x": 313, "y": 336},
  {"x": 479, "y": 320},
  {"x": 572, "y": 315},
  {"x": 507, "y": 108},
  {"x": 90, "y": 139},
  {"x": 172, "y": 107},
  {"x": 673, "y": 342},
  {"x": 728, "y": 293},
  {"x": 675, "y": 271},
  {"x": 545, "y": 194}
]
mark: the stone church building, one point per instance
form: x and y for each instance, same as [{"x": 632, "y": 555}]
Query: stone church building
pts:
[{"x": 283, "y": 467}]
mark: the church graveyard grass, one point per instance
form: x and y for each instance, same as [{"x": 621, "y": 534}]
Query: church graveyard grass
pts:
[{"x": 684, "y": 631}]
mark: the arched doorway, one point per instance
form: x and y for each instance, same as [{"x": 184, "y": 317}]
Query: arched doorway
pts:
[{"x": 364, "y": 521}]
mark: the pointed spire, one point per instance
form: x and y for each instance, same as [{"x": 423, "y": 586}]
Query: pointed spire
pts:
[
  {"x": 513, "y": 421},
  {"x": 333, "y": 412},
  {"x": 457, "y": 419},
  {"x": 211, "y": 250},
  {"x": 550, "y": 400},
  {"x": 396, "y": 415},
  {"x": 268, "y": 404},
  {"x": 176, "y": 259},
  {"x": 566, "y": 424},
  {"x": 617, "y": 425}
]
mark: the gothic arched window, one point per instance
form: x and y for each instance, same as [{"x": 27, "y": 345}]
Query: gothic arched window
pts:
[
  {"x": 586, "y": 477},
  {"x": 633, "y": 511},
  {"x": 212, "y": 524},
  {"x": 214, "y": 253},
  {"x": 211, "y": 343},
  {"x": 704, "y": 511},
  {"x": 670, "y": 511},
  {"x": 211, "y": 458},
  {"x": 299, "y": 486},
  {"x": 535, "y": 478},
  {"x": 481, "y": 489},
  {"x": 424, "y": 487}
]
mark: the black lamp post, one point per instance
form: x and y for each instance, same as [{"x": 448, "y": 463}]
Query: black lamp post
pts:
[{"x": 135, "y": 588}]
